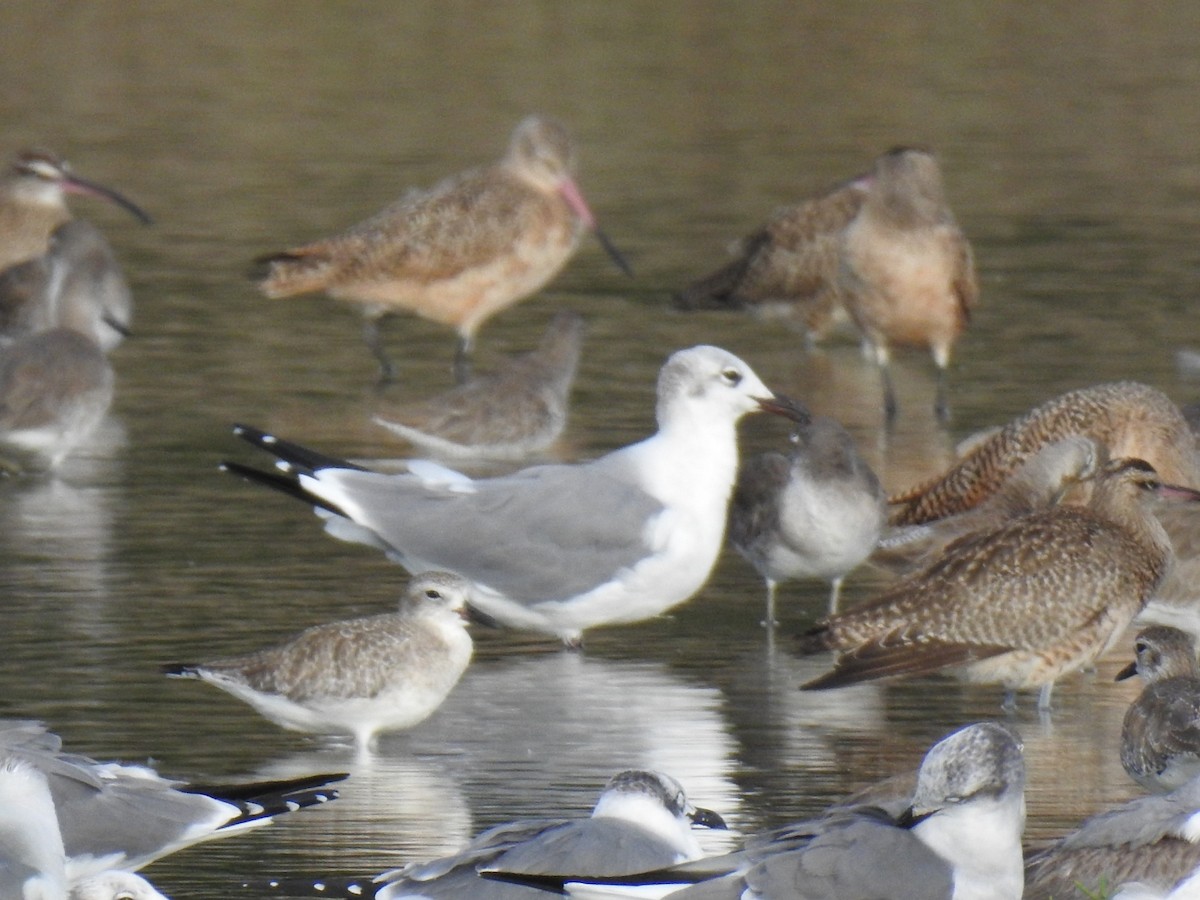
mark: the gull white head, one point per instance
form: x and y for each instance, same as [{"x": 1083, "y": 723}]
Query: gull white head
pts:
[
  {"x": 655, "y": 801},
  {"x": 708, "y": 384},
  {"x": 115, "y": 885}
]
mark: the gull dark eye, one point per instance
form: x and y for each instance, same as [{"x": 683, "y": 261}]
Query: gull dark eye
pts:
[
  {"x": 433, "y": 594},
  {"x": 731, "y": 376}
]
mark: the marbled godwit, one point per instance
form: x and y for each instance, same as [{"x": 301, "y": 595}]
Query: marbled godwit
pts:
[
  {"x": 814, "y": 514},
  {"x": 76, "y": 283},
  {"x": 33, "y": 204},
  {"x": 558, "y": 548},
  {"x": 122, "y": 817},
  {"x": 959, "y": 839},
  {"x": 361, "y": 676},
  {"x": 1022, "y": 605},
  {"x": 1160, "y": 737},
  {"x": 518, "y": 410},
  {"x": 458, "y": 253},
  {"x": 1041, "y": 481},
  {"x": 1127, "y": 419},
  {"x": 907, "y": 275},
  {"x": 1150, "y": 841},
  {"x": 788, "y": 269}
]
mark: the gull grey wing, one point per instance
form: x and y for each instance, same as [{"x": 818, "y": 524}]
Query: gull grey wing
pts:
[
  {"x": 545, "y": 534},
  {"x": 596, "y": 846}
]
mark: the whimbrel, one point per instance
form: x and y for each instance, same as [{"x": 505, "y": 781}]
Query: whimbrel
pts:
[
  {"x": 458, "y": 253},
  {"x": 1021, "y": 605}
]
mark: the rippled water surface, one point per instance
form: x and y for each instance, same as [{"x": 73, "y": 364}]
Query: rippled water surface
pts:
[{"x": 1069, "y": 144}]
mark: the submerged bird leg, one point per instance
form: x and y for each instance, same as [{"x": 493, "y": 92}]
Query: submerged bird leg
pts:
[
  {"x": 462, "y": 359},
  {"x": 373, "y": 338},
  {"x": 941, "y": 402},
  {"x": 835, "y": 594},
  {"x": 889, "y": 394},
  {"x": 770, "y": 621},
  {"x": 1044, "y": 696},
  {"x": 1009, "y": 705}
]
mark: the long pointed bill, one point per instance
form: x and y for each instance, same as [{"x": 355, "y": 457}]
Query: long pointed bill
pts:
[
  {"x": 75, "y": 185},
  {"x": 1177, "y": 492},
  {"x": 570, "y": 192}
]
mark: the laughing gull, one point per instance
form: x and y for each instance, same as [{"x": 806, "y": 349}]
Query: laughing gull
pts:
[
  {"x": 558, "y": 548},
  {"x": 1160, "y": 737},
  {"x": 1020, "y": 605},
  {"x": 1042, "y": 481},
  {"x": 459, "y": 252},
  {"x": 814, "y": 514},
  {"x": 116, "y": 816},
  {"x": 959, "y": 839},
  {"x": 1125, "y": 418},
  {"x": 360, "y": 676},
  {"x": 33, "y": 862},
  {"x": 513, "y": 413},
  {"x": 1153, "y": 841},
  {"x": 642, "y": 820}
]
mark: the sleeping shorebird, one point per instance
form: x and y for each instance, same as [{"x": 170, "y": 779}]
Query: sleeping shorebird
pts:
[
  {"x": 1021, "y": 605},
  {"x": 361, "y": 676},
  {"x": 458, "y": 253},
  {"x": 1124, "y": 418},
  {"x": 1160, "y": 736},
  {"x": 788, "y": 269},
  {"x": 556, "y": 548},
  {"x": 816, "y": 513},
  {"x": 33, "y": 203},
  {"x": 1042, "y": 481},
  {"x": 907, "y": 275},
  {"x": 516, "y": 411}
]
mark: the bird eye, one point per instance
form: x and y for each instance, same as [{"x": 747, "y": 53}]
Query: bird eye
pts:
[
  {"x": 731, "y": 376},
  {"x": 433, "y": 594}
]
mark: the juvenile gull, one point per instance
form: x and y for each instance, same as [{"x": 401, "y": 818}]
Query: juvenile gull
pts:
[
  {"x": 816, "y": 513},
  {"x": 460, "y": 252},
  {"x": 1160, "y": 736},
  {"x": 1040, "y": 482},
  {"x": 1021, "y": 605},
  {"x": 33, "y": 862},
  {"x": 1125, "y": 418},
  {"x": 123, "y": 817},
  {"x": 361, "y": 676},
  {"x": 518, "y": 410},
  {"x": 907, "y": 275},
  {"x": 1153, "y": 841},
  {"x": 558, "y": 548},
  {"x": 959, "y": 839}
]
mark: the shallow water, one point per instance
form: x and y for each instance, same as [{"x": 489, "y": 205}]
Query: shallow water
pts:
[{"x": 1068, "y": 145}]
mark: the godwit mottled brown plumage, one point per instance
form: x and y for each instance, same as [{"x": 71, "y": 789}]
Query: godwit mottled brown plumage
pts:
[
  {"x": 907, "y": 273},
  {"x": 33, "y": 203},
  {"x": 1160, "y": 737},
  {"x": 1022, "y": 605},
  {"x": 1041, "y": 481},
  {"x": 1127, "y": 419},
  {"x": 788, "y": 269},
  {"x": 518, "y": 410},
  {"x": 815, "y": 513},
  {"x": 459, "y": 252}
]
